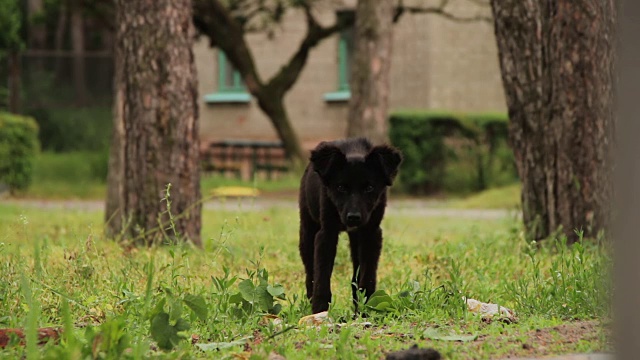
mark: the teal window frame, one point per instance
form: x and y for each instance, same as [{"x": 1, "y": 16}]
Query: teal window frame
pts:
[
  {"x": 343, "y": 93},
  {"x": 228, "y": 93}
]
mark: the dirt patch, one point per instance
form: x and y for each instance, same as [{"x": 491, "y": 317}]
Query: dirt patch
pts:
[{"x": 549, "y": 341}]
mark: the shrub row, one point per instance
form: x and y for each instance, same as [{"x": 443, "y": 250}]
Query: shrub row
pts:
[
  {"x": 74, "y": 129},
  {"x": 18, "y": 148},
  {"x": 452, "y": 152}
]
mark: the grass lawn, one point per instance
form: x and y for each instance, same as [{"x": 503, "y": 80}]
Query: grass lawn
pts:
[
  {"x": 57, "y": 270},
  {"x": 506, "y": 197},
  {"x": 82, "y": 175}
]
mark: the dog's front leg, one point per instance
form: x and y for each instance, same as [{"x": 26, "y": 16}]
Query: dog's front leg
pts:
[
  {"x": 369, "y": 251},
  {"x": 326, "y": 242}
]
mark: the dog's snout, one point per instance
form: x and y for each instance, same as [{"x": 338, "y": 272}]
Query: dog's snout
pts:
[{"x": 354, "y": 217}]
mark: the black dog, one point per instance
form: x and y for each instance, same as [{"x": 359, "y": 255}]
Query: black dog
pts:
[{"x": 344, "y": 188}]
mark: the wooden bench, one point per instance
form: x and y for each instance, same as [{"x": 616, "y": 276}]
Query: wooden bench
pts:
[{"x": 231, "y": 156}]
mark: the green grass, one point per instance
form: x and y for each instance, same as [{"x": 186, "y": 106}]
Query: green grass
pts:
[
  {"x": 57, "y": 270},
  {"x": 284, "y": 183},
  {"x": 506, "y": 197},
  {"x": 79, "y": 175},
  {"x": 82, "y": 175}
]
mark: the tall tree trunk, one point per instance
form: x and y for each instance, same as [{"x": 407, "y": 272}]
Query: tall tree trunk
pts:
[
  {"x": 157, "y": 113},
  {"x": 371, "y": 68},
  {"x": 14, "y": 81},
  {"x": 37, "y": 31},
  {"x": 556, "y": 58},
  {"x": 58, "y": 40},
  {"x": 114, "y": 215},
  {"x": 626, "y": 267},
  {"x": 37, "y": 34},
  {"x": 77, "y": 45}
]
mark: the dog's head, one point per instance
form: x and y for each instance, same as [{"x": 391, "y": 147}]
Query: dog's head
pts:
[{"x": 355, "y": 175}]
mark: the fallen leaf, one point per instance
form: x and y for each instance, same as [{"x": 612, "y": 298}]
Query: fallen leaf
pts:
[
  {"x": 223, "y": 345},
  {"x": 316, "y": 319},
  {"x": 433, "y": 334}
]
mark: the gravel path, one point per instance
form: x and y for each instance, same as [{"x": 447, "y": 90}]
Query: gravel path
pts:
[{"x": 415, "y": 207}]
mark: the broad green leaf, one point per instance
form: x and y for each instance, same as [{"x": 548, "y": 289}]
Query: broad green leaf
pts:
[
  {"x": 197, "y": 304},
  {"x": 380, "y": 300},
  {"x": 159, "y": 308},
  {"x": 383, "y": 306},
  {"x": 166, "y": 335},
  {"x": 248, "y": 290},
  {"x": 265, "y": 300},
  {"x": 236, "y": 298},
  {"x": 175, "y": 310},
  {"x": 276, "y": 290},
  {"x": 276, "y": 309}
]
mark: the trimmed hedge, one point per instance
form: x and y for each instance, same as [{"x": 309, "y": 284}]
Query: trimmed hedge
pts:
[
  {"x": 18, "y": 147},
  {"x": 452, "y": 152},
  {"x": 74, "y": 129}
]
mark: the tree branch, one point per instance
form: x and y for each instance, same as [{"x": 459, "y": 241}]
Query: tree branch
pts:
[
  {"x": 290, "y": 72},
  {"x": 442, "y": 11},
  {"x": 213, "y": 19}
]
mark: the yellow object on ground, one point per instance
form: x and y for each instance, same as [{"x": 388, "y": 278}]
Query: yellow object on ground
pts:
[{"x": 235, "y": 191}]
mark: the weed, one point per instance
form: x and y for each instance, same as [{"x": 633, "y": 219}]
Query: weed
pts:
[{"x": 243, "y": 294}]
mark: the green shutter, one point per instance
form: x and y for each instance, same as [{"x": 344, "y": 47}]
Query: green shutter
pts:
[{"x": 224, "y": 66}]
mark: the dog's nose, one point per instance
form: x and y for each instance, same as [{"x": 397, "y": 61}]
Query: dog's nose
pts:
[{"x": 354, "y": 217}]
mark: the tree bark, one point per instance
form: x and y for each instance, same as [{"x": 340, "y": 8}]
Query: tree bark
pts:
[
  {"x": 157, "y": 113},
  {"x": 273, "y": 107},
  {"x": 37, "y": 30},
  {"x": 14, "y": 81},
  {"x": 556, "y": 59},
  {"x": 61, "y": 27},
  {"x": 369, "y": 83},
  {"x": 77, "y": 46},
  {"x": 114, "y": 215}
]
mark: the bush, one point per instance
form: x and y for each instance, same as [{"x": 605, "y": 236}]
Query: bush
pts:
[
  {"x": 71, "y": 167},
  {"x": 453, "y": 152},
  {"x": 18, "y": 147},
  {"x": 74, "y": 129}
]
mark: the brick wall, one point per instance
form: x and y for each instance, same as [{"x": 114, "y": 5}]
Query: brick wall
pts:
[{"x": 437, "y": 64}]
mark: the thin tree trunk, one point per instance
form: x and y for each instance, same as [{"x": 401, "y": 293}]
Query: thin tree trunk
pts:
[
  {"x": 77, "y": 45},
  {"x": 556, "y": 59},
  {"x": 369, "y": 83},
  {"x": 37, "y": 31},
  {"x": 14, "y": 81},
  {"x": 157, "y": 112},
  {"x": 114, "y": 214}
]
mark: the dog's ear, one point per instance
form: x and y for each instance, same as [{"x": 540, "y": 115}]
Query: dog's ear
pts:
[
  {"x": 386, "y": 159},
  {"x": 326, "y": 158}
]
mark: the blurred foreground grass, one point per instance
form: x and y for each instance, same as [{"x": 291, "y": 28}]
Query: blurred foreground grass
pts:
[{"x": 57, "y": 268}]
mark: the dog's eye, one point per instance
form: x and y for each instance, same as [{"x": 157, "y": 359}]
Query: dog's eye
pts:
[
  {"x": 368, "y": 189},
  {"x": 341, "y": 188}
]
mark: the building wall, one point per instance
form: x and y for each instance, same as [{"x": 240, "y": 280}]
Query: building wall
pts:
[{"x": 437, "y": 64}]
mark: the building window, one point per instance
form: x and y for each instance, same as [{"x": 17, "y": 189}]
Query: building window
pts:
[
  {"x": 229, "y": 79},
  {"x": 345, "y": 55},
  {"x": 231, "y": 89}
]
